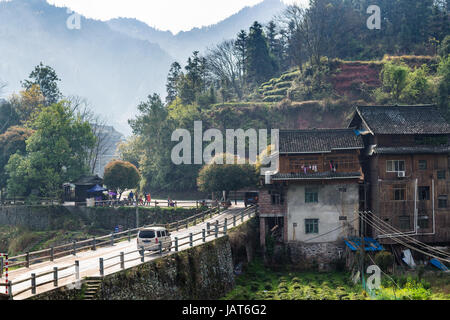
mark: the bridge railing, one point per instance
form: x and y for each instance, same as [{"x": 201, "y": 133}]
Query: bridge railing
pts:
[
  {"x": 213, "y": 230},
  {"x": 33, "y": 279},
  {"x": 217, "y": 229},
  {"x": 72, "y": 248}
]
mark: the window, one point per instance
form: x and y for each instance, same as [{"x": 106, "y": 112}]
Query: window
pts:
[
  {"x": 423, "y": 222},
  {"x": 395, "y": 165},
  {"x": 147, "y": 234},
  {"x": 441, "y": 174},
  {"x": 442, "y": 202},
  {"x": 277, "y": 197},
  {"x": 404, "y": 222},
  {"x": 422, "y": 164},
  {"x": 424, "y": 193},
  {"x": 311, "y": 225},
  {"x": 311, "y": 195},
  {"x": 399, "y": 192},
  {"x": 159, "y": 234}
]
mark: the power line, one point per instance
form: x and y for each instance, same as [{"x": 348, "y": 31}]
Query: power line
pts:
[
  {"x": 420, "y": 243},
  {"x": 324, "y": 234},
  {"x": 404, "y": 243}
]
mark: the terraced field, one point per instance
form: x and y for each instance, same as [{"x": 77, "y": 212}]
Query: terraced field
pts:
[{"x": 260, "y": 283}]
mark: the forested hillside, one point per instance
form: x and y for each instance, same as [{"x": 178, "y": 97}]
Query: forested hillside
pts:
[{"x": 307, "y": 68}]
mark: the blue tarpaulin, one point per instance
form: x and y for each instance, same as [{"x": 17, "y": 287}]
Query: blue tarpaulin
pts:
[
  {"x": 438, "y": 264},
  {"x": 97, "y": 188},
  {"x": 370, "y": 244}
]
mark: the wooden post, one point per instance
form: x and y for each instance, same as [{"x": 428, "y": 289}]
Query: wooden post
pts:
[
  {"x": 129, "y": 236},
  {"x": 94, "y": 246},
  {"x": 225, "y": 226},
  {"x": 234, "y": 221},
  {"x": 142, "y": 252},
  {"x": 74, "y": 248},
  {"x": 122, "y": 260},
  {"x": 160, "y": 247},
  {"x": 33, "y": 283},
  {"x": 176, "y": 244},
  {"x": 52, "y": 254},
  {"x": 77, "y": 270},
  {"x": 217, "y": 230},
  {"x": 190, "y": 240},
  {"x": 102, "y": 270},
  {"x": 28, "y": 259},
  {"x": 204, "y": 235},
  {"x": 208, "y": 227},
  {"x": 112, "y": 239},
  {"x": 55, "y": 276}
]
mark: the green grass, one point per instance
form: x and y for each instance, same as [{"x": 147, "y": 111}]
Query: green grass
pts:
[{"x": 261, "y": 283}]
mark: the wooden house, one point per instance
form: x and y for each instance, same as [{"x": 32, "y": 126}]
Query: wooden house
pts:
[
  {"x": 313, "y": 200},
  {"x": 406, "y": 164}
]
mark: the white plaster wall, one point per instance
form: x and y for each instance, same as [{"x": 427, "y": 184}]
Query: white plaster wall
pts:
[{"x": 332, "y": 204}]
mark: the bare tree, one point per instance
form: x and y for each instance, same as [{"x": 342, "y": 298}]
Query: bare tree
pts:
[
  {"x": 223, "y": 63},
  {"x": 98, "y": 124}
]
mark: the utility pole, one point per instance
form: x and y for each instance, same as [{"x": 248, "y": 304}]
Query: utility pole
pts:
[{"x": 363, "y": 251}]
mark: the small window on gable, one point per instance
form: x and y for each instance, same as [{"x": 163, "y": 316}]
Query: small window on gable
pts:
[
  {"x": 442, "y": 202},
  {"x": 424, "y": 193},
  {"x": 422, "y": 164},
  {"x": 405, "y": 222},
  {"x": 277, "y": 197},
  {"x": 395, "y": 165},
  {"x": 441, "y": 174},
  {"x": 311, "y": 195},
  {"x": 311, "y": 226}
]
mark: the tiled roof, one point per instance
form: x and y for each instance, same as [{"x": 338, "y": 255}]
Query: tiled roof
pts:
[
  {"x": 316, "y": 175},
  {"x": 408, "y": 150},
  {"x": 318, "y": 140},
  {"x": 420, "y": 119},
  {"x": 88, "y": 180}
]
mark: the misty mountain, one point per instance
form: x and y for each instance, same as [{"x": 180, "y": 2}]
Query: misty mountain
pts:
[
  {"x": 114, "y": 64},
  {"x": 181, "y": 45}
]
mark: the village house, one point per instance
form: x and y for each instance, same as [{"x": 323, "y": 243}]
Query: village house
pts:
[
  {"x": 406, "y": 164},
  {"x": 312, "y": 203}
]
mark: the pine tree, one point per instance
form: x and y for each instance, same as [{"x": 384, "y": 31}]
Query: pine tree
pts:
[
  {"x": 172, "y": 82},
  {"x": 241, "y": 47},
  {"x": 260, "y": 65}
]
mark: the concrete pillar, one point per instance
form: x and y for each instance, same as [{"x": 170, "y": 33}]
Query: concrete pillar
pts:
[{"x": 262, "y": 231}]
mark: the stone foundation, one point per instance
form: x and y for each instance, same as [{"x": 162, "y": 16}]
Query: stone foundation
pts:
[{"x": 316, "y": 256}]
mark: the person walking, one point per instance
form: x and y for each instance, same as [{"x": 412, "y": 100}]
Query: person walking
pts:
[
  {"x": 149, "y": 199},
  {"x": 130, "y": 197}
]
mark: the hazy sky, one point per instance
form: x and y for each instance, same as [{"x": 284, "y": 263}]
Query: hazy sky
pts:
[{"x": 173, "y": 15}]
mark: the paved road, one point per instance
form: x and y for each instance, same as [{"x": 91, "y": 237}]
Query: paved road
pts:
[{"x": 89, "y": 260}]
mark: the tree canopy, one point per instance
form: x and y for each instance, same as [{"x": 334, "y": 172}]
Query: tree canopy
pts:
[{"x": 121, "y": 175}]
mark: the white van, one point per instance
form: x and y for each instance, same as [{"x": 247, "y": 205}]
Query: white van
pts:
[{"x": 149, "y": 239}]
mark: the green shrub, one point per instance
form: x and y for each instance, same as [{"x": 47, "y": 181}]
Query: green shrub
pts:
[
  {"x": 384, "y": 260},
  {"x": 273, "y": 98}
]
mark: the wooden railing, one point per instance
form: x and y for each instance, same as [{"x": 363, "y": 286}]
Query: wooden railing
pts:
[
  {"x": 213, "y": 230},
  {"x": 52, "y": 253}
]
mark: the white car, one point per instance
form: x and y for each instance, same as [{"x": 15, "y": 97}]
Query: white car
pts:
[{"x": 149, "y": 239}]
